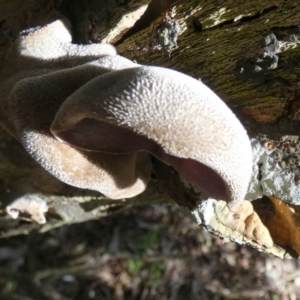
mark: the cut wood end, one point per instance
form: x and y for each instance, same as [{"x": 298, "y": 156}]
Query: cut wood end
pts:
[{"x": 245, "y": 221}]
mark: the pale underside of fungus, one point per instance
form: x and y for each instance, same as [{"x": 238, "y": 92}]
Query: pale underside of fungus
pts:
[{"x": 93, "y": 119}]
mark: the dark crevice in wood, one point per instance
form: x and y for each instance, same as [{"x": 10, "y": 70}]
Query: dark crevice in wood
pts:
[
  {"x": 155, "y": 9},
  {"x": 174, "y": 187},
  {"x": 72, "y": 10}
]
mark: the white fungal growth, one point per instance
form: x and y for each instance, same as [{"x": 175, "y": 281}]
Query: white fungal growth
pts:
[
  {"x": 205, "y": 211},
  {"x": 275, "y": 170}
]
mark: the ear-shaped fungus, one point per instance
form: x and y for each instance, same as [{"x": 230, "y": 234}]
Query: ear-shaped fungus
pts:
[
  {"x": 32, "y": 105},
  {"x": 173, "y": 116},
  {"x": 5, "y": 89},
  {"x": 51, "y": 46}
]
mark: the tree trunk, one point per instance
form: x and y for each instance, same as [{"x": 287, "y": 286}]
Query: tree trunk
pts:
[{"x": 245, "y": 51}]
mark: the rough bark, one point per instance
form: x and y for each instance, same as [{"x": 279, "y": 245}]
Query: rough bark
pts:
[{"x": 246, "y": 51}]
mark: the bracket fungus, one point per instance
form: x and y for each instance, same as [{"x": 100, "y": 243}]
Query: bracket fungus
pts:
[
  {"x": 168, "y": 114},
  {"x": 51, "y": 46},
  {"x": 93, "y": 119}
]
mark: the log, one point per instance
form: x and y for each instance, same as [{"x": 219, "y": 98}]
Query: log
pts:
[{"x": 245, "y": 51}]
